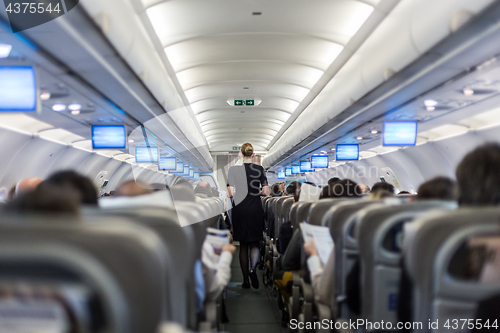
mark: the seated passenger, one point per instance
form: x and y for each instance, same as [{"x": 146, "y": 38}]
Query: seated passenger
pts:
[
  {"x": 26, "y": 185},
  {"x": 11, "y": 195},
  {"x": 216, "y": 270},
  {"x": 334, "y": 180},
  {"x": 439, "y": 188},
  {"x": 213, "y": 274},
  {"x": 383, "y": 186},
  {"x": 276, "y": 191},
  {"x": 81, "y": 184},
  {"x": 203, "y": 190},
  {"x": 478, "y": 182},
  {"x": 292, "y": 187},
  {"x": 380, "y": 194},
  {"x": 323, "y": 284}
]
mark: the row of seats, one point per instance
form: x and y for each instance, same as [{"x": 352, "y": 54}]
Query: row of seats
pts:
[
  {"x": 371, "y": 234},
  {"x": 123, "y": 270}
]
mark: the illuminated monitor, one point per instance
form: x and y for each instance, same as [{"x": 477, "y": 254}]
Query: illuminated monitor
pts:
[
  {"x": 281, "y": 175},
  {"x": 146, "y": 154},
  {"x": 296, "y": 170},
  {"x": 305, "y": 166},
  {"x": 400, "y": 133},
  {"x": 288, "y": 172},
  {"x": 109, "y": 137},
  {"x": 167, "y": 164},
  {"x": 196, "y": 175},
  {"x": 347, "y": 152},
  {"x": 18, "y": 89},
  {"x": 319, "y": 162},
  {"x": 191, "y": 173},
  {"x": 180, "y": 168},
  {"x": 186, "y": 171}
]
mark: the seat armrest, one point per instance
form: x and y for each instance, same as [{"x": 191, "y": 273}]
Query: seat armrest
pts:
[
  {"x": 296, "y": 278},
  {"x": 307, "y": 291}
]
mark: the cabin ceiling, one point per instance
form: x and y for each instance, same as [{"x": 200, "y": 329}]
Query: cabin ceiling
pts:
[{"x": 272, "y": 52}]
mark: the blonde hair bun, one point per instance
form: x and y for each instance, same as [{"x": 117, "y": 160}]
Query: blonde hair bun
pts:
[{"x": 247, "y": 150}]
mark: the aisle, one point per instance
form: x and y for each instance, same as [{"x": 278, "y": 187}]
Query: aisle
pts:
[{"x": 249, "y": 310}]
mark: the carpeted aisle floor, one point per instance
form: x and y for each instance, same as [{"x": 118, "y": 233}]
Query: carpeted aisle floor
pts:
[{"x": 249, "y": 310}]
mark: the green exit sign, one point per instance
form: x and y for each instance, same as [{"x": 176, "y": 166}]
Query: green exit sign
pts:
[
  {"x": 236, "y": 148},
  {"x": 240, "y": 102}
]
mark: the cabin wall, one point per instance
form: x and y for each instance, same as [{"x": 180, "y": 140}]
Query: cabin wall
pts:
[
  {"x": 412, "y": 165},
  {"x": 24, "y": 155}
]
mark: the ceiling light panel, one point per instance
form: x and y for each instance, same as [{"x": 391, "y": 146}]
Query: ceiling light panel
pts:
[
  {"x": 60, "y": 135},
  {"x": 23, "y": 123},
  {"x": 264, "y": 57},
  {"x": 314, "y": 52},
  {"x": 300, "y": 75}
]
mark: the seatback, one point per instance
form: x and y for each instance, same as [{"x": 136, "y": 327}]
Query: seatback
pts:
[
  {"x": 303, "y": 212},
  {"x": 319, "y": 208},
  {"x": 433, "y": 245},
  {"x": 179, "y": 242},
  {"x": 278, "y": 213},
  {"x": 270, "y": 217},
  {"x": 286, "y": 208},
  {"x": 337, "y": 220},
  {"x": 379, "y": 236},
  {"x": 123, "y": 264},
  {"x": 294, "y": 211}
]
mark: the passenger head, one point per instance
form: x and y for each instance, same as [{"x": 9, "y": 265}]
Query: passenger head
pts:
[
  {"x": 27, "y": 185},
  {"x": 292, "y": 187},
  {"x": 131, "y": 188},
  {"x": 276, "y": 189},
  {"x": 404, "y": 193},
  {"x": 364, "y": 189},
  {"x": 383, "y": 186},
  {"x": 75, "y": 181},
  {"x": 345, "y": 188},
  {"x": 182, "y": 191},
  {"x": 478, "y": 176},
  {"x": 215, "y": 192},
  {"x": 247, "y": 150},
  {"x": 46, "y": 198},
  {"x": 440, "y": 188},
  {"x": 380, "y": 194},
  {"x": 333, "y": 180},
  {"x": 203, "y": 188}
]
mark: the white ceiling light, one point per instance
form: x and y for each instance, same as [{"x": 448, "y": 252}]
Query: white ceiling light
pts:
[
  {"x": 431, "y": 108},
  {"x": 75, "y": 112},
  {"x": 324, "y": 152},
  {"x": 333, "y": 148},
  {"x": 45, "y": 96},
  {"x": 75, "y": 106},
  {"x": 374, "y": 131},
  {"x": 359, "y": 138},
  {"x": 5, "y": 50},
  {"x": 59, "y": 107},
  {"x": 430, "y": 102},
  {"x": 468, "y": 92}
]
